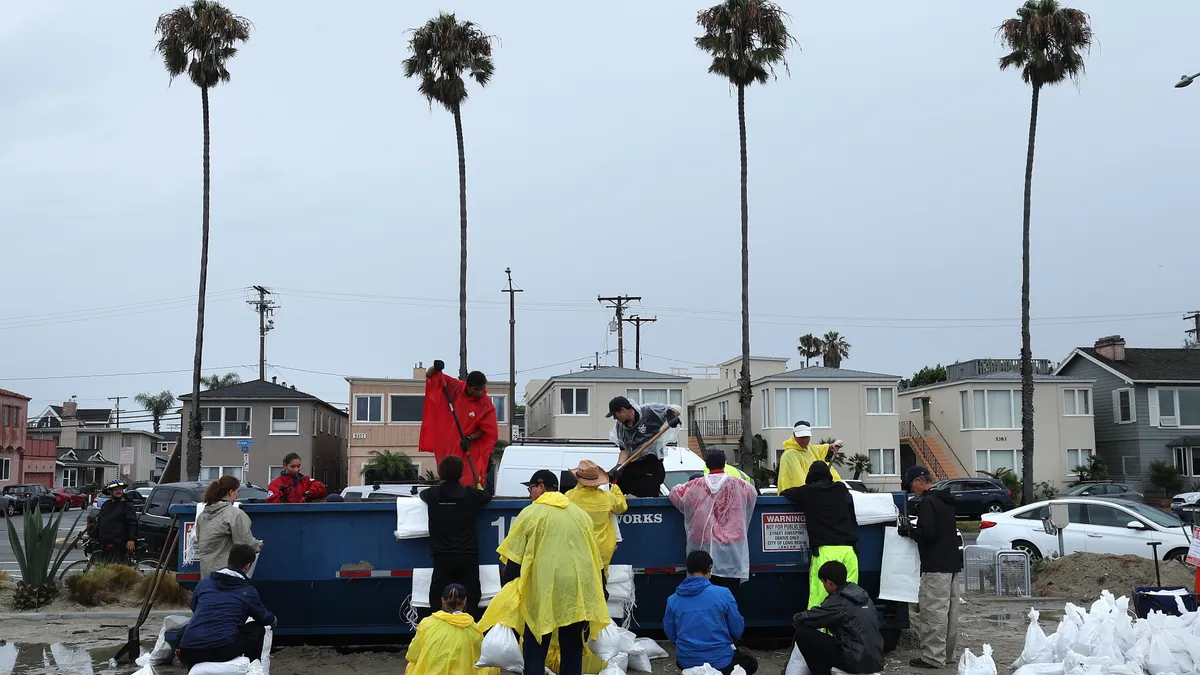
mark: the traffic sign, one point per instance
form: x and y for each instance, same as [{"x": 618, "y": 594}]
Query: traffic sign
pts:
[{"x": 245, "y": 443}]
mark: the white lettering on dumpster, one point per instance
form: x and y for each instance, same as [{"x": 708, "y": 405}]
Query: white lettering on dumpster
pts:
[
  {"x": 784, "y": 532},
  {"x": 638, "y": 518}
]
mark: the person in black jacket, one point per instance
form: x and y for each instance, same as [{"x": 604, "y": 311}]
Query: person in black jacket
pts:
[
  {"x": 829, "y": 515},
  {"x": 115, "y": 527},
  {"x": 453, "y": 542},
  {"x": 936, "y": 534},
  {"x": 853, "y": 642}
]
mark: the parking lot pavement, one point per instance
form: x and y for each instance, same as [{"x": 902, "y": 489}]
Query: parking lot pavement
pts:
[{"x": 8, "y": 559}]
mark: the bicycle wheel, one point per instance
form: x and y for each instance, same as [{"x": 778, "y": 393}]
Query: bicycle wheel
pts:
[
  {"x": 77, "y": 567},
  {"x": 146, "y": 566}
]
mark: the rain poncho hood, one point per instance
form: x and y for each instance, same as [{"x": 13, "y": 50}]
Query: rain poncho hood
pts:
[
  {"x": 445, "y": 644},
  {"x": 601, "y": 506},
  {"x": 552, "y": 540},
  {"x": 717, "y": 510},
  {"x": 795, "y": 462},
  {"x": 219, "y": 527}
]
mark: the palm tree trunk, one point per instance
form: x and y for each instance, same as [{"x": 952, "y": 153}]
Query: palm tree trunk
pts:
[
  {"x": 194, "y": 426},
  {"x": 746, "y": 393},
  {"x": 462, "y": 271},
  {"x": 1026, "y": 350}
]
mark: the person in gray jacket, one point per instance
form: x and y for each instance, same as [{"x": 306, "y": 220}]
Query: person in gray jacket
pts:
[
  {"x": 222, "y": 526},
  {"x": 853, "y": 643}
]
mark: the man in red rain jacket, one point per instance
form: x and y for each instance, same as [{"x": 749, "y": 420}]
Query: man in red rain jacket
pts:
[{"x": 475, "y": 412}]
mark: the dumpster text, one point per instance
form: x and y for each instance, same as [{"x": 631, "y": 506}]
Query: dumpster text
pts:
[{"x": 784, "y": 532}]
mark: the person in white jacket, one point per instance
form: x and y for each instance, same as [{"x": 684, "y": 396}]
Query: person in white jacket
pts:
[{"x": 221, "y": 526}]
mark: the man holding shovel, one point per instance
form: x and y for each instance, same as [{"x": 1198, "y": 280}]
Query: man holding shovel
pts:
[
  {"x": 459, "y": 419},
  {"x": 637, "y": 426}
]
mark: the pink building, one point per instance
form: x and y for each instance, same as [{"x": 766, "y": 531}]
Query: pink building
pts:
[{"x": 14, "y": 410}]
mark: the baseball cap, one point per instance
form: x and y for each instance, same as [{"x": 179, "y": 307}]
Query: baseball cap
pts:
[
  {"x": 913, "y": 473},
  {"x": 618, "y": 403},
  {"x": 462, "y": 591},
  {"x": 715, "y": 459},
  {"x": 543, "y": 477}
]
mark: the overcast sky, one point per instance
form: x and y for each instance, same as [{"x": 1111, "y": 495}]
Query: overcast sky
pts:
[{"x": 886, "y": 175}]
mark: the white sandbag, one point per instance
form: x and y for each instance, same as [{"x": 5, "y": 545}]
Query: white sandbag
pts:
[
  {"x": 653, "y": 649},
  {"x": 871, "y": 508},
  {"x": 639, "y": 661},
  {"x": 500, "y": 649},
  {"x": 238, "y": 666},
  {"x": 900, "y": 575},
  {"x": 622, "y": 597},
  {"x": 969, "y": 664},
  {"x": 1037, "y": 646},
  {"x": 607, "y": 645},
  {"x": 489, "y": 585},
  {"x": 797, "y": 665},
  {"x": 617, "y": 527},
  {"x": 616, "y": 665},
  {"x": 1040, "y": 669},
  {"x": 701, "y": 670},
  {"x": 162, "y": 651},
  {"x": 412, "y": 518},
  {"x": 422, "y": 579}
]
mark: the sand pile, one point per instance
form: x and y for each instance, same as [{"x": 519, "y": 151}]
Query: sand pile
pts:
[{"x": 1081, "y": 576}]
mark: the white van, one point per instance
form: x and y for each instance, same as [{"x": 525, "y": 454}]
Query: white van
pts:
[{"x": 522, "y": 459}]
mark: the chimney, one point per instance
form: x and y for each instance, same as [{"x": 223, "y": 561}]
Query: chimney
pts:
[
  {"x": 293, "y": 387},
  {"x": 1111, "y": 347},
  {"x": 70, "y": 410},
  {"x": 274, "y": 379},
  {"x": 419, "y": 372}
]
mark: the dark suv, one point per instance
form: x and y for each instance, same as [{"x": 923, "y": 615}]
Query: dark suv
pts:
[
  {"x": 973, "y": 497},
  {"x": 1106, "y": 490},
  {"x": 26, "y": 496}
]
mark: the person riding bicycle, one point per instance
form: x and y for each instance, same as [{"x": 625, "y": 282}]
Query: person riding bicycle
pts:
[{"x": 115, "y": 527}]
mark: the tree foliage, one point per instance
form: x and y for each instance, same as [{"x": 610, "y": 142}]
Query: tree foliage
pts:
[
  {"x": 925, "y": 377},
  {"x": 158, "y": 405},
  {"x": 810, "y": 347},
  {"x": 836, "y": 349},
  {"x": 390, "y": 466},
  {"x": 220, "y": 381}
]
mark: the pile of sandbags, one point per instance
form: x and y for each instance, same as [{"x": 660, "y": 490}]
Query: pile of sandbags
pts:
[
  {"x": 1107, "y": 640},
  {"x": 624, "y": 652}
]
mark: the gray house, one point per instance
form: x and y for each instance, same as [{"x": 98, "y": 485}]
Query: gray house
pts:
[
  {"x": 1147, "y": 406},
  {"x": 272, "y": 420}
]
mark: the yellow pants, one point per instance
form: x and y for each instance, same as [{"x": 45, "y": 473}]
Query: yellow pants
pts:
[{"x": 842, "y": 554}]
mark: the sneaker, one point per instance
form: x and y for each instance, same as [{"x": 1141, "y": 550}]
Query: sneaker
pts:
[{"x": 922, "y": 663}]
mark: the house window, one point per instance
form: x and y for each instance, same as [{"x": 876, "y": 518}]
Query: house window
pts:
[
  {"x": 723, "y": 410},
  {"x": 1077, "y": 402},
  {"x": 964, "y": 402},
  {"x": 210, "y": 422},
  {"x": 70, "y": 478},
  {"x": 881, "y": 401},
  {"x": 368, "y": 408},
  {"x": 1123, "y": 410},
  {"x": 574, "y": 401},
  {"x": 1181, "y": 407},
  {"x": 1187, "y": 461},
  {"x": 803, "y": 404},
  {"x": 6, "y": 413},
  {"x": 501, "y": 404},
  {"x": 916, "y": 404},
  {"x": 883, "y": 462},
  {"x": 406, "y": 408},
  {"x": 663, "y": 396},
  {"x": 992, "y": 461},
  {"x": 237, "y": 421},
  {"x": 211, "y": 473},
  {"x": 1076, "y": 459},
  {"x": 285, "y": 420},
  {"x": 766, "y": 410},
  {"x": 993, "y": 409},
  {"x": 272, "y": 473},
  {"x": 4, "y": 468},
  {"x": 89, "y": 442},
  {"x": 227, "y": 422}
]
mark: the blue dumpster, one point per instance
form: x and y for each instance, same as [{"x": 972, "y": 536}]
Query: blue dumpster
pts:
[{"x": 337, "y": 569}]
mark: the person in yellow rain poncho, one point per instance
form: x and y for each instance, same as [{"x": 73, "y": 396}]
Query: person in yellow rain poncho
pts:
[
  {"x": 799, "y": 454},
  {"x": 446, "y": 643},
  {"x": 601, "y": 501},
  {"x": 552, "y": 557}
]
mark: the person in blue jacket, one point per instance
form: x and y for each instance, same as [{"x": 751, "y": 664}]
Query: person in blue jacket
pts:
[
  {"x": 218, "y": 631},
  {"x": 703, "y": 621}
]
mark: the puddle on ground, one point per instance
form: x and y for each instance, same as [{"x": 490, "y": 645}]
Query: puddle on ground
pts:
[
  {"x": 1015, "y": 619},
  {"x": 60, "y": 658}
]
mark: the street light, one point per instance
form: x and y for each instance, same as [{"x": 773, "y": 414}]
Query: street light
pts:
[{"x": 1185, "y": 80}]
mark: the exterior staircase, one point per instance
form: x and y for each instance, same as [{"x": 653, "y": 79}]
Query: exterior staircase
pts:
[{"x": 930, "y": 453}]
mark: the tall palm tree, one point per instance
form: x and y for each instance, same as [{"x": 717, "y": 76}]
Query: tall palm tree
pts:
[
  {"x": 443, "y": 50},
  {"x": 746, "y": 39},
  {"x": 200, "y": 39},
  {"x": 220, "y": 381},
  {"x": 836, "y": 349},
  {"x": 157, "y": 405},
  {"x": 810, "y": 347},
  {"x": 1047, "y": 42}
]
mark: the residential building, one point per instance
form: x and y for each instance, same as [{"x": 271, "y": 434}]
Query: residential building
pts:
[
  {"x": 14, "y": 408},
  {"x": 170, "y": 439},
  {"x": 574, "y": 405},
  {"x": 89, "y": 449},
  {"x": 971, "y": 423},
  {"x": 83, "y": 468},
  {"x": 1147, "y": 406},
  {"x": 855, "y": 406},
  {"x": 386, "y": 416},
  {"x": 270, "y": 421},
  {"x": 51, "y": 420}
]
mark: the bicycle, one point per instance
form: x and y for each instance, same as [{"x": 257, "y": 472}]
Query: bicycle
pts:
[{"x": 93, "y": 556}]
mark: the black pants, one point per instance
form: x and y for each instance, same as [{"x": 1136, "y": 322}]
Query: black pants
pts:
[
  {"x": 455, "y": 569},
  {"x": 643, "y": 477},
  {"x": 570, "y": 645},
  {"x": 820, "y": 651},
  {"x": 740, "y": 658},
  {"x": 248, "y": 643}
]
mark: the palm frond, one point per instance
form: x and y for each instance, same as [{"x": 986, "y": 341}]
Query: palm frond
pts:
[
  {"x": 200, "y": 39},
  {"x": 1046, "y": 42},
  {"x": 442, "y": 52},
  {"x": 747, "y": 40}
]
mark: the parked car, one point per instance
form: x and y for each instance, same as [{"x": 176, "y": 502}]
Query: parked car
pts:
[
  {"x": 1184, "y": 499},
  {"x": 28, "y": 495},
  {"x": 1104, "y": 489},
  {"x": 1097, "y": 525},
  {"x": 973, "y": 496},
  {"x": 69, "y": 498},
  {"x": 8, "y": 505},
  {"x": 384, "y": 491}
]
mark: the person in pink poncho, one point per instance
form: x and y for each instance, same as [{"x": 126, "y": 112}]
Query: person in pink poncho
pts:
[{"x": 717, "y": 509}]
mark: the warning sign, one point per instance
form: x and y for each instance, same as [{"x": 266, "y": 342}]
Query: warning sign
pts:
[
  {"x": 1193, "y": 556},
  {"x": 189, "y": 544},
  {"x": 784, "y": 532}
]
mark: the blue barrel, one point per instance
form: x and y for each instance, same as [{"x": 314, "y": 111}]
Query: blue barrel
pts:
[{"x": 337, "y": 569}]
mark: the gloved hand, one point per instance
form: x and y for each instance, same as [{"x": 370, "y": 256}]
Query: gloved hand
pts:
[
  {"x": 307, "y": 495},
  {"x": 438, "y": 366},
  {"x": 905, "y": 528},
  {"x": 673, "y": 418},
  {"x": 465, "y": 443}
]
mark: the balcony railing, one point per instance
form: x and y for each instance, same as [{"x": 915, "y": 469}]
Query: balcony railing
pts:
[
  {"x": 711, "y": 428},
  {"x": 980, "y": 367}
]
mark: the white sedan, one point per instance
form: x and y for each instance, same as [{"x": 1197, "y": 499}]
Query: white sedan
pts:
[{"x": 1096, "y": 526}]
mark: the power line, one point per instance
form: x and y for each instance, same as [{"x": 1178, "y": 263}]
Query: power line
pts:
[{"x": 92, "y": 375}]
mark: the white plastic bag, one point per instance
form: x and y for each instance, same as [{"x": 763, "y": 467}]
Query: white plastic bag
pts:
[
  {"x": 653, "y": 649},
  {"x": 621, "y": 594},
  {"x": 900, "y": 578},
  {"x": 500, "y": 649},
  {"x": 969, "y": 664},
  {"x": 1040, "y": 669},
  {"x": 162, "y": 651},
  {"x": 616, "y": 665},
  {"x": 607, "y": 644},
  {"x": 422, "y": 579},
  {"x": 1037, "y": 647},
  {"x": 238, "y": 666},
  {"x": 412, "y": 518},
  {"x": 797, "y": 665},
  {"x": 709, "y": 670},
  {"x": 639, "y": 661},
  {"x": 874, "y": 508}
]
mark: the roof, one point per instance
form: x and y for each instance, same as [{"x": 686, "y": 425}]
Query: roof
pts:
[
  {"x": 823, "y": 373},
  {"x": 999, "y": 377},
  {"x": 254, "y": 389},
  {"x": 613, "y": 374},
  {"x": 170, "y": 436},
  {"x": 1149, "y": 364},
  {"x": 13, "y": 394},
  {"x": 781, "y": 359},
  {"x": 86, "y": 414}
]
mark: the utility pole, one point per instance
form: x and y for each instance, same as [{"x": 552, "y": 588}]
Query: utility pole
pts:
[
  {"x": 1194, "y": 332},
  {"x": 637, "y": 322},
  {"x": 118, "y": 400},
  {"x": 512, "y": 349},
  {"x": 618, "y": 303},
  {"x": 266, "y": 309}
]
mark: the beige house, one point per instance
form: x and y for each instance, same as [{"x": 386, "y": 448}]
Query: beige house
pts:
[
  {"x": 573, "y": 406},
  {"x": 854, "y": 406},
  {"x": 385, "y": 414},
  {"x": 975, "y": 419}
]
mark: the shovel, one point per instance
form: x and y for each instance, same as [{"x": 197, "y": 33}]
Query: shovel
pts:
[
  {"x": 133, "y": 647},
  {"x": 461, "y": 435},
  {"x": 616, "y": 470}
]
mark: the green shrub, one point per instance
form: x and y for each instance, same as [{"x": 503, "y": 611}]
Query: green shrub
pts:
[
  {"x": 37, "y": 558},
  {"x": 1166, "y": 477}
]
